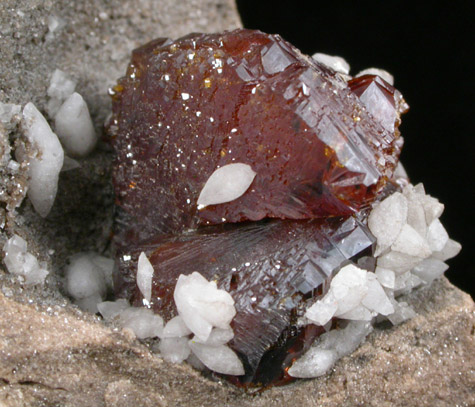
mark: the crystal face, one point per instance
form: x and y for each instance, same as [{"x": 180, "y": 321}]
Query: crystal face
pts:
[
  {"x": 188, "y": 107},
  {"x": 270, "y": 268},
  {"x": 318, "y": 150}
]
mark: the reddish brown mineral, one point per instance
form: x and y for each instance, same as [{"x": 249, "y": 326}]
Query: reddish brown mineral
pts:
[
  {"x": 270, "y": 268},
  {"x": 190, "y": 106},
  {"x": 320, "y": 148}
]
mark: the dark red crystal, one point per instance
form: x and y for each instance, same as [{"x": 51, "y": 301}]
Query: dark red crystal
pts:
[
  {"x": 321, "y": 150},
  {"x": 188, "y": 107},
  {"x": 270, "y": 268}
]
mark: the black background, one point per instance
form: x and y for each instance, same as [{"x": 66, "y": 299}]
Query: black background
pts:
[{"x": 428, "y": 47}]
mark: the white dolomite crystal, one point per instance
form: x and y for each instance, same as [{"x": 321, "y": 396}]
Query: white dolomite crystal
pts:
[
  {"x": 220, "y": 359},
  {"x": 437, "y": 237},
  {"x": 60, "y": 88},
  {"x": 330, "y": 347},
  {"x": 226, "y": 184},
  {"x": 336, "y": 63},
  {"x": 74, "y": 126},
  {"x": 217, "y": 337},
  {"x": 387, "y": 219},
  {"x": 412, "y": 243},
  {"x": 386, "y": 277},
  {"x": 451, "y": 249},
  {"x": 88, "y": 277},
  {"x": 174, "y": 349},
  {"x": 176, "y": 327},
  {"x": 141, "y": 321},
  {"x": 354, "y": 294},
  {"x": 402, "y": 312},
  {"x": 202, "y": 305},
  {"x": 69, "y": 164},
  {"x": 144, "y": 276},
  {"x": 398, "y": 262},
  {"x": 8, "y": 111},
  {"x": 432, "y": 208},
  {"x": 46, "y": 164},
  {"x": 21, "y": 263},
  {"x": 430, "y": 269},
  {"x": 110, "y": 309}
]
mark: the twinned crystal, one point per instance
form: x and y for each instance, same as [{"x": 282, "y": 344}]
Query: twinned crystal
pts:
[{"x": 253, "y": 166}]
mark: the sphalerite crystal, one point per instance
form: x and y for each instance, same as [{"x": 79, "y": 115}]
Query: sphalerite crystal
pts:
[{"x": 313, "y": 150}]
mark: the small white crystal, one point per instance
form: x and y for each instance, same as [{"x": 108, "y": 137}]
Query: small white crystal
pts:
[
  {"x": 106, "y": 265},
  {"x": 174, "y": 350},
  {"x": 18, "y": 261},
  {"x": 69, "y": 164},
  {"x": 54, "y": 24},
  {"x": 322, "y": 311},
  {"x": 217, "y": 337},
  {"x": 336, "y": 63},
  {"x": 377, "y": 71},
  {"x": 432, "y": 208},
  {"x": 220, "y": 359},
  {"x": 331, "y": 346},
  {"x": 88, "y": 277},
  {"x": 202, "y": 305},
  {"x": 387, "y": 219},
  {"x": 398, "y": 262},
  {"x": 60, "y": 88},
  {"x": 430, "y": 269},
  {"x": 412, "y": 281},
  {"x": 7, "y": 111},
  {"x": 144, "y": 276},
  {"x": 376, "y": 299},
  {"x": 400, "y": 171},
  {"x": 451, "y": 249},
  {"x": 401, "y": 281},
  {"x": 415, "y": 214},
  {"x": 386, "y": 277},
  {"x": 46, "y": 165},
  {"x": 402, "y": 313},
  {"x": 226, "y": 184},
  {"x": 316, "y": 362},
  {"x": 346, "y": 340},
  {"x": 90, "y": 303},
  {"x": 74, "y": 126},
  {"x": 110, "y": 309},
  {"x": 354, "y": 294},
  {"x": 412, "y": 243},
  {"x": 142, "y": 321},
  {"x": 84, "y": 278},
  {"x": 358, "y": 313},
  {"x": 437, "y": 236},
  {"x": 176, "y": 327}
]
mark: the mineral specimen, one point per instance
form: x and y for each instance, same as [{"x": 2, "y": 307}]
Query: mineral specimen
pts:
[{"x": 242, "y": 159}]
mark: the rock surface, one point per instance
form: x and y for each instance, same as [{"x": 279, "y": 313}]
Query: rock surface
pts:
[
  {"x": 428, "y": 361},
  {"x": 52, "y": 354}
]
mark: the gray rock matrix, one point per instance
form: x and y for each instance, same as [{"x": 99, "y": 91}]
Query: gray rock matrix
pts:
[{"x": 52, "y": 354}]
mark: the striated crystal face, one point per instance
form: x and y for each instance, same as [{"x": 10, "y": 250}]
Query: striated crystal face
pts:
[
  {"x": 313, "y": 151},
  {"x": 188, "y": 107},
  {"x": 270, "y": 268}
]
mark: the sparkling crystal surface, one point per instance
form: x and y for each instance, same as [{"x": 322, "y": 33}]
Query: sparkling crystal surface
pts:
[
  {"x": 322, "y": 149},
  {"x": 270, "y": 268},
  {"x": 188, "y": 107}
]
